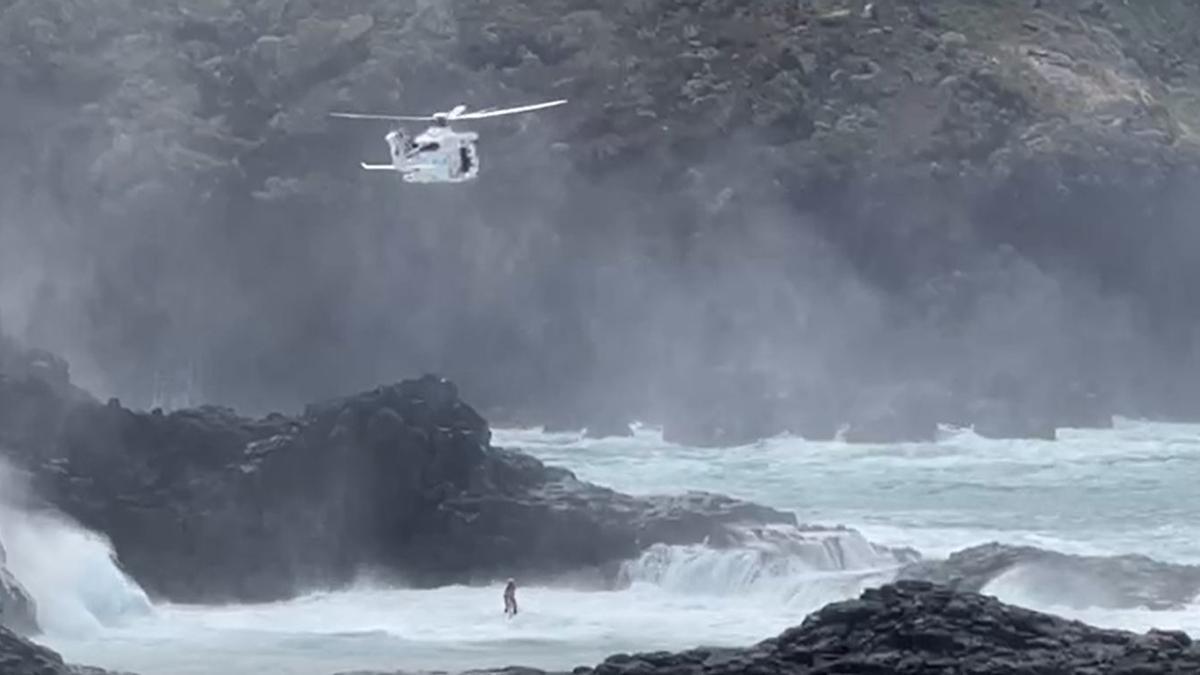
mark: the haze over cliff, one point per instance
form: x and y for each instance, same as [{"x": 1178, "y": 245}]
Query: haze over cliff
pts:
[{"x": 824, "y": 201}]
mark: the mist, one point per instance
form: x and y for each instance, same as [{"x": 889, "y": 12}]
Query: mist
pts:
[{"x": 177, "y": 253}]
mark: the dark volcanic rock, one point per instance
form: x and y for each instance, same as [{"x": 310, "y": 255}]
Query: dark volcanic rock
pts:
[
  {"x": 909, "y": 414},
  {"x": 203, "y": 504},
  {"x": 1081, "y": 581},
  {"x": 1000, "y": 419},
  {"x": 19, "y": 656},
  {"x": 731, "y": 409},
  {"x": 51, "y": 370},
  {"x": 608, "y": 427},
  {"x": 917, "y": 627}
]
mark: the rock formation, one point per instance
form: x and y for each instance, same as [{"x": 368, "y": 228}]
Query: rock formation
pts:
[
  {"x": 915, "y": 627},
  {"x": 19, "y": 656},
  {"x": 203, "y": 504},
  {"x": 1125, "y": 582},
  {"x": 844, "y": 195}
]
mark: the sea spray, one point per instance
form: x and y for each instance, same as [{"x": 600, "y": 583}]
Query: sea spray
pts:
[{"x": 71, "y": 573}]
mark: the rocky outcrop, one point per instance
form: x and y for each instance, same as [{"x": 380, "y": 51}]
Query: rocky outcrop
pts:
[
  {"x": 717, "y": 416},
  {"x": 1129, "y": 581},
  {"x": 918, "y": 627},
  {"x": 19, "y": 656},
  {"x": 203, "y": 504},
  {"x": 17, "y": 610},
  {"x": 915, "y": 627}
]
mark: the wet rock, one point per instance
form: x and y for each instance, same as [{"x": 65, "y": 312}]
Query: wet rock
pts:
[
  {"x": 1003, "y": 419},
  {"x": 206, "y": 505},
  {"x": 730, "y": 410},
  {"x": 902, "y": 415},
  {"x": 1120, "y": 582},
  {"x": 595, "y": 423},
  {"x": 917, "y": 627},
  {"x": 22, "y": 363},
  {"x": 19, "y": 656},
  {"x": 608, "y": 427},
  {"x": 1083, "y": 407}
]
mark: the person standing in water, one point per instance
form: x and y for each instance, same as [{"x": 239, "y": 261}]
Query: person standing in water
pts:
[{"x": 510, "y": 599}]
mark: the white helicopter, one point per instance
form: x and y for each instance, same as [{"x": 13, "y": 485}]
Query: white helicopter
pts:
[{"x": 439, "y": 154}]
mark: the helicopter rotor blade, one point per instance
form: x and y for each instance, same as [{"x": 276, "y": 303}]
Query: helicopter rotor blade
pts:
[
  {"x": 482, "y": 114},
  {"x": 368, "y": 116}
]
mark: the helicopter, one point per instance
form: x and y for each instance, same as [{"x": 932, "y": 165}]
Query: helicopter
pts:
[{"x": 440, "y": 154}]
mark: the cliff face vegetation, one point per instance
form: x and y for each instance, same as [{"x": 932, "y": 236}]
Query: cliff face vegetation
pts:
[{"x": 809, "y": 202}]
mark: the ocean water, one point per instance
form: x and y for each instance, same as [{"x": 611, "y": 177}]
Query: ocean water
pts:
[{"x": 1131, "y": 489}]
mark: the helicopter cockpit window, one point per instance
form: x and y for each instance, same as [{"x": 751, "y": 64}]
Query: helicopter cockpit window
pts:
[{"x": 428, "y": 147}]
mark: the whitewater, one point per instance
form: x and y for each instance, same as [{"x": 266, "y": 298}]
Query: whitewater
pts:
[{"x": 1131, "y": 489}]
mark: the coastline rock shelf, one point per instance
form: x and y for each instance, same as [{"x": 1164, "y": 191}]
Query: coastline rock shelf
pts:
[{"x": 918, "y": 628}]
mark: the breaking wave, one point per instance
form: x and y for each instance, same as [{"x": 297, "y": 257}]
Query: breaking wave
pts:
[
  {"x": 71, "y": 574},
  {"x": 1083, "y": 599},
  {"x": 802, "y": 568}
]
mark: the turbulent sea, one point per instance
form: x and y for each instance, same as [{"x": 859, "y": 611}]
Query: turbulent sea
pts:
[{"x": 1132, "y": 489}]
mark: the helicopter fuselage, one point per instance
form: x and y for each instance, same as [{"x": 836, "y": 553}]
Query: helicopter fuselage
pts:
[{"x": 438, "y": 155}]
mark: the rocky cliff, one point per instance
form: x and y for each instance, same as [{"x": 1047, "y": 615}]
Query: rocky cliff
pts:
[{"x": 829, "y": 199}]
